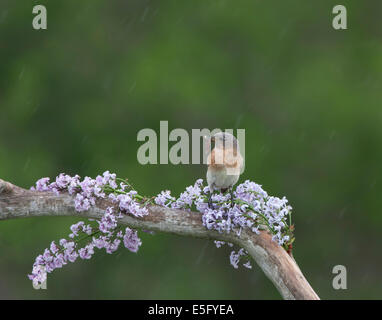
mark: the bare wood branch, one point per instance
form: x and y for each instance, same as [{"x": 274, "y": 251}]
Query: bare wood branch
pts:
[{"x": 277, "y": 265}]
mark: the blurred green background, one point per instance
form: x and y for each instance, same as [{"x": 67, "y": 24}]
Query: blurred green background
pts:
[{"x": 73, "y": 97}]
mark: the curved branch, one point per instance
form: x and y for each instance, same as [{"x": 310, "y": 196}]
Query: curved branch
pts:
[{"x": 278, "y": 266}]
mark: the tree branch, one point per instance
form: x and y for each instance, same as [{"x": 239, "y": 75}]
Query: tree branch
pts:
[{"x": 278, "y": 266}]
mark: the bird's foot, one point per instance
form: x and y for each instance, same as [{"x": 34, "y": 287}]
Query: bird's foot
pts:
[{"x": 210, "y": 202}]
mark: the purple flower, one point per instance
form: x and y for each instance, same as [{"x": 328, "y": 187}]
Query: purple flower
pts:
[
  {"x": 252, "y": 208},
  {"x": 86, "y": 192},
  {"x": 128, "y": 205},
  {"x": 81, "y": 203},
  {"x": 38, "y": 275},
  {"x": 76, "y": 228},
  {"x": 87, "y": 186},
  {"x": 112, "y": 246},
  {"x": 63, "y": 181},
  {"x": 109, "y": 178},
  {"x": 53, "y": 247},
  {"x": 234, "y": 259},
  {"x": 98, "y": 192},
  {"x": 87, "y": 229},
  {"x": 100, "y": 242},
  {"x": 164, "y": 198},
  {"x": 43, "y": 184},
  {"x": 108, "y": 221},
  {"x": 86, "y": 252},
  {"x": 219, "y": 243},
  {"x": 71, "y": 256},
  {"x": 74, "y": 184},
  {"x": 131, "y": 240},
  {"x": 59, "y": 261}
]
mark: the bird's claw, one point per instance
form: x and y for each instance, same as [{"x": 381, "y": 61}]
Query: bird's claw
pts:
[
  {"x": 232, "y": 202},
  {"x": 210, "y": 203}
]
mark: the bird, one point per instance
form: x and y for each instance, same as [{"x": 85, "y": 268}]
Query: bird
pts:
[{"x": 225, "y": 164}]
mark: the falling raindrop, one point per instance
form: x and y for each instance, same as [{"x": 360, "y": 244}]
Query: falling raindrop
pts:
[
  {"x": 342, "y": 213},
  {"x": 132, "y": 87},
  {"x": 238, "y": 121},
  {"x": 21, "y": 73},
  {"x": 27, "y": 163},
  {"x": 202, "y": 253},
  {"x": 3, "y": 16},
  {"x": 145, "y": 14},
  {"x": 332, "y": 134}
]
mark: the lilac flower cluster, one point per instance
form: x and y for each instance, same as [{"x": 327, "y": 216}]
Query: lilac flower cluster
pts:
[
  {"x": 235, "y": 258},
  {"x": 102, "y": 234},
  {"x": 252, "y": 210},
  {"x": 127, "y": 203}
]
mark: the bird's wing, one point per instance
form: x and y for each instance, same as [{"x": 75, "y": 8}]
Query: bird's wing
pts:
[
  {"x": 233, "y": 162},
  {"x": 242, "y": 167},
  {"x": 232, "y": 158}
]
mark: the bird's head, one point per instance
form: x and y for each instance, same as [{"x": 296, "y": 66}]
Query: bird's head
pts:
[{"x": 225, "y": 140}]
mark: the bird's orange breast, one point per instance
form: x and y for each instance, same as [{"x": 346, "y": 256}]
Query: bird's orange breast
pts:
[{"x": 229, "y": 158}]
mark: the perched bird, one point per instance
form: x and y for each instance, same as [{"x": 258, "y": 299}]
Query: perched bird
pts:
[{"x": 225, "y": 164}]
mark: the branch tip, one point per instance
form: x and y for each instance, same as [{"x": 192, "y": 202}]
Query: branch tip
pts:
[{"x": 5, "y": 187}]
